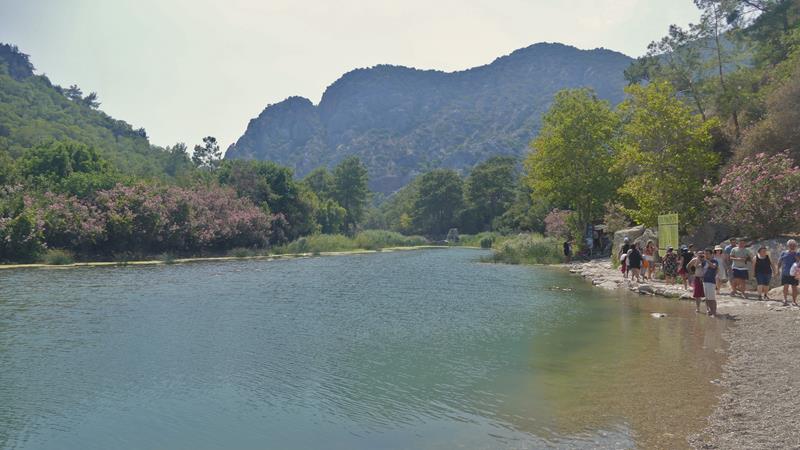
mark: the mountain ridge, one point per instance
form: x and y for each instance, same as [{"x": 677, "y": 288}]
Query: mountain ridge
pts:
[{"x": 402, "y": 121}]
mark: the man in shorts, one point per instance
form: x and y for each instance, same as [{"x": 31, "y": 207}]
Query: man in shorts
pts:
[
  {"x": 788, "y": 257},
  {"x": 741, "y": 256}
]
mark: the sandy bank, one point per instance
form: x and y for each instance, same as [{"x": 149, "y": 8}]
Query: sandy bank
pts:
[
  {"x": 760, "y": 405},
  {"x": 212, "y": 258}
]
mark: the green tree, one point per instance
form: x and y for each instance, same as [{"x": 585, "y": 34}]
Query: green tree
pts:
[
  {"x": 676, "y": 58},
  {"x": 331, "y": 217},
  {"x": 665, "y": 155},
  {"x": 207, "y": 155},
  {"x": 273, "y": 187},
  {"x": 320, "y": 181},
  {"x": 67, "y": 167},
  {"x": 439, "y": 201},
  {"x": 178, "y": 160},
  {"x": 490, "y": 188},
  {"x": 350, "y": 190},
  {"x": 573, "y": 153}
]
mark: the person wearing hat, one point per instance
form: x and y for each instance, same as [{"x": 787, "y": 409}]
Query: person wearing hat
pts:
[
  {"x": 722, "y": 272},
  {"x": 763, "y": 268},
  {"x": 670, "y": 265}
]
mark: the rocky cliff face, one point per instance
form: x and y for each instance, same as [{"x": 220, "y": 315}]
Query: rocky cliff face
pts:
[{"x": 404, "y": 121}]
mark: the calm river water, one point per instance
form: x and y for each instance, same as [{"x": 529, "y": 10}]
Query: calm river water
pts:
[{"x": 421, "y": 349}]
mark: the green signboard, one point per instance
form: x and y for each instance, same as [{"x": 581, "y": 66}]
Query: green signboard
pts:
[{"x": 667, "y": 232}]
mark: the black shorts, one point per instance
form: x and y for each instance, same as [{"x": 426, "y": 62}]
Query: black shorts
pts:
[
  {"x": 790, "y": 280},
  {"x": 741, "y": 274}
]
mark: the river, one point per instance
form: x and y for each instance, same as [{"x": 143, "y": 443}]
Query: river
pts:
[{"x": 421, "y": 349}]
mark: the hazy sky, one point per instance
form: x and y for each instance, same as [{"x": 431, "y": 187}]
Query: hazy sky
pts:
[{"x": 184, "y": 69}]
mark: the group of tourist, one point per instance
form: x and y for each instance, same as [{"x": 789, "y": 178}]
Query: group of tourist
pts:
[{"x": 704, "y": 272}]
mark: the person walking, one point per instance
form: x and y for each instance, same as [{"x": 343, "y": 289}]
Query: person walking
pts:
[
  {"x": 567, "y": 251},
  {"x": 763, "y": 269},
  {"x": 785, "y": 263},
  {"x": 722, "y": 267},
  {"x": 670, "y": 265},
  {"x": 740, "y": 260},
  {"x": 710, "y": 281},
  {"x": 697, "y": 266},
  {"x": 635, "y": 262}
]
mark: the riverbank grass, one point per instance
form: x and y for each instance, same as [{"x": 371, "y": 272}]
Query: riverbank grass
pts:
[{"x": 527, "y": 249}]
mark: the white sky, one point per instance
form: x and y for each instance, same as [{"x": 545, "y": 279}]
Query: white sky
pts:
[{"x": 184, "y": 69}]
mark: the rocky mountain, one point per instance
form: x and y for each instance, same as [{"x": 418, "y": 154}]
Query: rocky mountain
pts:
[{"x": 402, "y": 121}]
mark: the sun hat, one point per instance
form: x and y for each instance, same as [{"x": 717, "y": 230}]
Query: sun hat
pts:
[{"x": 718, "y": 248}]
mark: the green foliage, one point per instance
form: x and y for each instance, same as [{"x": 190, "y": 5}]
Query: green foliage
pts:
[
  {"x": 320, "y": 181},
  {"x": 486, "y": 243},
  {"x": 66, "y": 167},
  {"x": 438, "y": 202},
  {"x": 274, "y": 189},
  {"x": 34, "y": 112},
  {"x": 243, "y": 252},
  {"x": 350, "y": 190},
  {"x": 528, "y": 249},
  {"x": 58, "y": 257},
  {"x": 665, "y": 155},
  {"x": 490, "y": 189},
  {"x": 365, "y": 240},
  {"x": 331, "y": 217},
  {"x": 378, "y": 239},
  {"x": 208, "y": 155},
  {"x": 574, "y": 152}
]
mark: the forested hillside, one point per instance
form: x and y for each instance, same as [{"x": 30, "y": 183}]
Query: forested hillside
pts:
[
  {"x": 33, "y": 111},
  {"x": 402, "y": 121}
]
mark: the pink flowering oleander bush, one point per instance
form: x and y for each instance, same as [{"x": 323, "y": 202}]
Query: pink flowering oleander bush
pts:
[
  {"x": 155, "y": 219},
  {"x": 760, "y": 195},
  {"x": 140, "y": 219},
  {"x": 556, "y": 223}
]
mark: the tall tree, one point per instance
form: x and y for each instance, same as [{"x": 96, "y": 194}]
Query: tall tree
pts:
[
  {"x": 712, "y": 29},
  {"x": 490, "y": 188},
  {"x": 676, "y": 58},
  {"x": 207, "y": 155},
  {"x": 320, "y": 181},
  {"x": 665, "y": 155},
  {"x": 573, "y": 153},
  {"x": 350, "y": 190},
  {"x": 438, "y": 202}
]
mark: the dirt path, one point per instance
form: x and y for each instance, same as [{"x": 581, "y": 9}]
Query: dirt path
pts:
[{"x": 760, "y": 408}]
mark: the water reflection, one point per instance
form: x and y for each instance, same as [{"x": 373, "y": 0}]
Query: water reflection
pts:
[{"x": 401, "y": 350}]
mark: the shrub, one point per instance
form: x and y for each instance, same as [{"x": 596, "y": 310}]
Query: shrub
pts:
[
  {"x": 242, "y": 252},
  {"x": 57, "y": 257},
  {"x": 528, "y": 249},
  {"x": 556, "y": 223},
  {"x": 378, "y": 239},
  {"x": 761, "y": 195},
  {"x": 475, "y": 240},
  {"x": 486, "y": 242}
]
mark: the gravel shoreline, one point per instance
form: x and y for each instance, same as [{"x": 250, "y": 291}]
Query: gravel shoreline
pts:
[{"x": 760, "y": 406}]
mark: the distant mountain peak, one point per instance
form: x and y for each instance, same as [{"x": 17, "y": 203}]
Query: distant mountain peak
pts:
[{"x": 402, "y": 121}]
